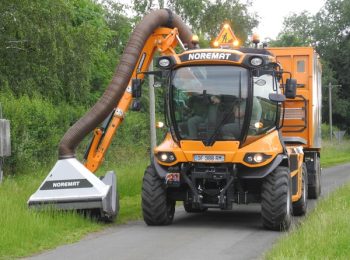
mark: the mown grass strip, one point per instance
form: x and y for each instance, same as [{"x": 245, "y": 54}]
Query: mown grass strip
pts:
[{"x": 325, "y": 233}]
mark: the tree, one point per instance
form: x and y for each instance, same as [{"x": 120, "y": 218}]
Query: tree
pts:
[
  {"x": 329, "y": 32},
  {"x": 297, "y": 30},
  {"x": 54, "y": 48},
  {"x": 206, "y": 17}
]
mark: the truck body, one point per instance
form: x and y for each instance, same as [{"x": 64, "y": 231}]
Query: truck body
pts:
[{"x": 302, "y": 117}]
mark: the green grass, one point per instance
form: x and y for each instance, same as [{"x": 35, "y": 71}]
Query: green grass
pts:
[
  {"x": 25, "y": 232},
  {"x": 325, "y": 233},
  {"x": 334, "y": 153}
]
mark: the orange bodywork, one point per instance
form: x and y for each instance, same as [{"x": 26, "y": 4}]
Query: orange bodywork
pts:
[
  {"x": 302, "y": 114},
  {"x": 269, "y": 145}
]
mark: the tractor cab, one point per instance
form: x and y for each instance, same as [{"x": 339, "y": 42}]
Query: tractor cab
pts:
[{"x": 223, "y": 101}]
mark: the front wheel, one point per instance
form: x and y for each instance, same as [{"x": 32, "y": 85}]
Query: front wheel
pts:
[
  {"x": 276, "y": 200},
  {"x": 157, "y": 209}
]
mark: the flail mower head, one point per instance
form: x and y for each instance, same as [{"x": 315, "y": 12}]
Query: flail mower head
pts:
[{"x": 71, "y": 186}]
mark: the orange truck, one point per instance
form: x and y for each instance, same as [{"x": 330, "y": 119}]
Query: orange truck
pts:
[{"x": 243, "y": 126}]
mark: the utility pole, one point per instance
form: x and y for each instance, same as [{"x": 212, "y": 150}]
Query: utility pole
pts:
[
  {"x": 330, "y": 86},
  {"x": 152, "y": 110}
]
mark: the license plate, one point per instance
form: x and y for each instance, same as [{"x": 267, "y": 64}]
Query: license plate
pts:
[{"x": 209, "y": 158}]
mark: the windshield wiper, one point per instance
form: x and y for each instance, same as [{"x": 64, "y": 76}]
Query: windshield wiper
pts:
[{"x": 212, "y": 138}]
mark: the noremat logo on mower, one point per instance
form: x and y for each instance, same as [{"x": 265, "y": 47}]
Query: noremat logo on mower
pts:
[
  {"x": 66, "y": 184},
  {"x": 209, "y": 56}
]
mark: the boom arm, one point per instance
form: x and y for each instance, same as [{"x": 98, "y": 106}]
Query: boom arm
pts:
[{"x": 164, "y": 40}]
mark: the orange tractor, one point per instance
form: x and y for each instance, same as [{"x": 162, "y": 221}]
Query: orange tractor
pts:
[{"x": 243, "y": 127}]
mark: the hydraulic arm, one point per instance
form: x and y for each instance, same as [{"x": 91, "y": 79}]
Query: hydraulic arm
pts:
[{"x": 163, "y": 40}]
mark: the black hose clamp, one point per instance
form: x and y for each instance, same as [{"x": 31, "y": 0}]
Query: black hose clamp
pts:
[{"x": 170, "y": 19}]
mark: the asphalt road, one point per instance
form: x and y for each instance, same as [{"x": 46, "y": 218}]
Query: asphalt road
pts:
[{"x": 236, "y": 234}]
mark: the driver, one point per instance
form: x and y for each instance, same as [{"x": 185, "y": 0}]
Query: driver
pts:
[
  {"x": 204, "y": 109},
  {"x": 235, "y": 129}
]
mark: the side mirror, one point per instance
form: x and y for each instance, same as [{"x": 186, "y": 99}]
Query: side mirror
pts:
[
  {"x": 136, "y": 88},
  {"x": 291, "y": 88},
  {"x": 277, "y": 97}
]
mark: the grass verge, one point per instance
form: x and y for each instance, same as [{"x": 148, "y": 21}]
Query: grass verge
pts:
[
  {"x": 325, "y": 233},
  {"x": 334, "y": 153},
  {"x": 25, "y": 232}
]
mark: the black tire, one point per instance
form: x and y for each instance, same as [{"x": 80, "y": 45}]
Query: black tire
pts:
[
  {"x": 157, "y": 209},
  {"x": 314, "y": 191},
  {"x": 189, "y": 209},
  {"x": 300, "y": 206},
  {"x": 276, "y": 200}
]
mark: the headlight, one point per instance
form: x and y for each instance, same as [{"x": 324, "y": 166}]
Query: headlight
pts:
[
  {"x": 167, "y": 157},
  {"x": 256, "y": 158},
  {"x": 256, "y": 61},
  {"x": 160, "y": 124}
]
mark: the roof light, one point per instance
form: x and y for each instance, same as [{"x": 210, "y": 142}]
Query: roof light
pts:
[
  {"x": 195, "y": 38},
  {"x": 226, "y": 25},
  {"x": 235, "y": 43},
  {"x": 256, "y": 61},
  {"x": 256, "y": 38},
  {"x": 216, "y": 44},
  {"x": 164, "y": 62}
]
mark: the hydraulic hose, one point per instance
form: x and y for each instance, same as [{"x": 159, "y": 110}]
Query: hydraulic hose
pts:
[{"x": 121, "y": 78}]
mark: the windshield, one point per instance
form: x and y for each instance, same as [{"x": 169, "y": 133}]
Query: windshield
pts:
[{"x": 209, "y": 100}]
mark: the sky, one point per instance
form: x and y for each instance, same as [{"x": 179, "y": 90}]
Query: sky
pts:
[{"x": 272, "y": 12}]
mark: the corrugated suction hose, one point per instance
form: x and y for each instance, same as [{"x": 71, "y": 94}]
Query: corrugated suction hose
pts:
[{"x": 121, "y": 78}]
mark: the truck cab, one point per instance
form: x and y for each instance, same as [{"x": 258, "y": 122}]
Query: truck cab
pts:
[{"x": 224, "y": 109}]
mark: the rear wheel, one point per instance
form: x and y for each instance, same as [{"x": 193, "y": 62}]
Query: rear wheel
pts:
[
  {"x": 276, "y": 200},
  {"x": 300, "y": 206},
  {"x": 315, "y": 188},
  {"x": 157, "y": 209}
]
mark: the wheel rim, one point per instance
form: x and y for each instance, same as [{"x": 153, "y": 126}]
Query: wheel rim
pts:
[{"x": 288, "y": 203}]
